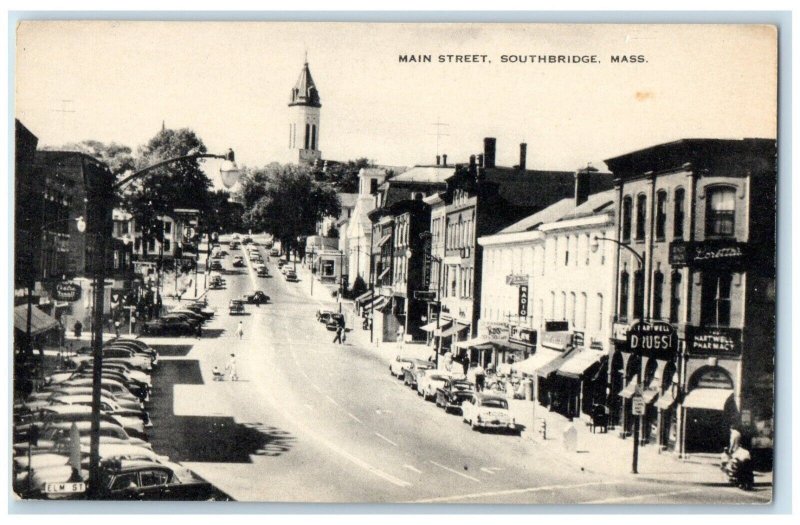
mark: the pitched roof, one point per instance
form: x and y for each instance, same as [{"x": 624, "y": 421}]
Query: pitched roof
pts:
[
  {"x": 602, "y": 202},
  {"x": 550, "y": 214},
  {"x": 425, "y": 174},
  {"x": 531, "y": 188},
  {"x": 305, "y": 91}
]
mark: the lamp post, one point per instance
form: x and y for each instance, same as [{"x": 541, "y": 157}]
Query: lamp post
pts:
[
  {"x": 103, "y": 198},
  {"x": 638, "y": 419}
]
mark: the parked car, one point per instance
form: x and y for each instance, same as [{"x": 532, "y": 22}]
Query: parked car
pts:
[
  {"x": 113, "y": 384},
  {"x": 52, "y": 432},
  {"x": 247, "y": 239},
  {"x": 238, "y": 262},
  {"x": 412, "y": 371},
  {"x": 486, "y": 411},
  {"x": 168, "y": 326},
  {"x": 291, "y": 276},
  {"x": 262, "y": 270},
  {"x": 216, "y": 265},
  {"x": 59, "y": 455},
  {"x": 127, "y": 400},
  {"x": 137, "y": 362},
  {"x": 453, "y": 393},
  {"x": 429, "y": 380},
  {"x": 398, "y": 366},
  {"x": 233, "y": 245},
  {"x": 189, "y": 318},
  {"x": 200, "y": 309},
  {"x": 236, "y": 307},
  {"x": 258, "y": 295},
  {"x": 194, "y": 316},
  {"x": 58, "y": 413}
]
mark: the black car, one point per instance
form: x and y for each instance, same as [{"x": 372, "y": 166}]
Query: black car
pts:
[
  {"x": 189, "y": 318},
  {"x": 216, "y": 265},
  {"x": 256, "y": 297},
  {"x": 334, "y": 321},
  {"x": 453, "y": 393},
  {"x": 168, "y": 326}
]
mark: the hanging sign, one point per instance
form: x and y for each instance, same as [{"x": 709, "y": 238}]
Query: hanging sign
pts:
[
  {"x": 67, "y": 291},
  {"x": 523, "y": 301}
]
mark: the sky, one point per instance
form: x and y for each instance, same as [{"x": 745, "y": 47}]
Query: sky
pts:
[{"x": 230, "y": 83}]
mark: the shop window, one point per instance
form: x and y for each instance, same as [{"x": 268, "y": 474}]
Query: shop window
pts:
[
  {"x": 624, "y": 294},
  {"x": 627, "y": 204},
  {"x": 638, "y": 294},
  {"x": 679, "y": 214},
  {"x": 661, "y": 214},
  {"x": 716, "y": 299},
  {"x": 720, "y": 210},
  {"x": 658, "y": 293},
  {"x": 641, "y": 216}
]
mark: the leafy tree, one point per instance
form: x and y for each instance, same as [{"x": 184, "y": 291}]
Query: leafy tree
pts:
[
  {"x": 118, "y": 157},
  {"x": 291, "y": 202},
  {"x": 343, "y": 176}
]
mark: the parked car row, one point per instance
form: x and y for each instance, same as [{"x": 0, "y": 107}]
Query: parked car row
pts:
[
  {"x": 187, "y": 319},
  {"x": 452, "y": 392},
  {"x": 52, "y": 433}
]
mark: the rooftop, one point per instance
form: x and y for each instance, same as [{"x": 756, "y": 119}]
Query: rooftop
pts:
[
  {"x": 550, "y": 214},
  {"x": 425, "y": 174}
]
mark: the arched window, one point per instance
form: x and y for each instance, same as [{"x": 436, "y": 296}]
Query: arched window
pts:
[
  {"x": 641, "y": 216},
  {"x": 627, "y": 204},
  {"x": 313, "y": 136},
  {"x": 624, "y": 294},
  {"x": 658, "y": 294},
  {"x": 599, "y": 312},
  {"x": 573, "y": 306},
  {"x": 564, "y": 305},
  {"x": 308, "y": 136},
  {"x": 720, "y": 211},
  {"x": 638, "y": 294},
  {"x": 661, "y": 215},
  {"x": 675, "y": 298},
  {"x": 582, "y": 311},
  {"x": 677, "y": 219}
]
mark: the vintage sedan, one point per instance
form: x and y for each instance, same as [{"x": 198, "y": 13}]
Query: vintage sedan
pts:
[
  {"x": 216, "y": 265},
  {"x": 397, "y": 367},
  {"x": 412, "y": 371},
  {"x": 55, "y": 431},
  {"x": 168, "y": 326},
  {"x": 453, "y": 393},
  {"x": 256, "y": 297},
  {"x": 262, "y": 270},
  {"x": 236, "y": 307},
  {"x": 429, "y": 380},
  {"x": 487, "y": 411}
]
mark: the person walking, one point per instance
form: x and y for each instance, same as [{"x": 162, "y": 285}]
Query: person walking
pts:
[
  {"x": 231, "y": 368},
  {"x": 240, "y": 331},
  {"x": 339, "y": 331},
  {"x": 78, "y": 328},
  {"x": 116, "y": 328}
]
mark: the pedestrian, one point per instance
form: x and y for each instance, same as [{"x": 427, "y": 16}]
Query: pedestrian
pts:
[
  {"x": 199, "y": 330},
  {"x": 78, "y": 328},
  {"x": 735, "y": 440},
  {"x": 231, "y": 368},
  {"x": 116, "y": 328},
  {"x": 133, "y": 323},
  {"x": 400, "y": 335},
  {"x": 240, "y": 331},
  {"x": 480, "y": 378},
  {"x": 339, "y": 331}
]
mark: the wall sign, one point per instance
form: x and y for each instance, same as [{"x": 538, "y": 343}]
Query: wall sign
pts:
[
  {"x": 719, "y": 254},
  {"x": 577, "y": 338},
  {"x": 653, "y": 339},
  {"x": 516, "y": 280},
  {"x": 722, "y": 342},
  {"x": 496, "y": 331},
  {"x": 523, "y": 301},
  {"x": 526, "y": 336},
  {"x": 557, "y": 340}
]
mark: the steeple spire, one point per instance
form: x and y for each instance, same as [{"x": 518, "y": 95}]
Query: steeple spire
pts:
[{"x": 305, "y": 91}]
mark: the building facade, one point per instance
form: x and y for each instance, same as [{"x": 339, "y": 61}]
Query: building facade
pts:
[
  {"x": 697, "y": 221},
  {"x": 358, "y": 233}
]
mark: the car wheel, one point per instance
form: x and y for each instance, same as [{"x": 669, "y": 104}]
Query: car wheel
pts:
[{"x": 474, "y": 426}]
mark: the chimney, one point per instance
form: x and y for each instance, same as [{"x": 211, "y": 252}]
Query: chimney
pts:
[
  {"x": 472, "y": 165},
  {"x": 444, "y": 160},
  {"x": 480, "y": 160},
  {"x": 523, "y": 156},
  {"x": 438, "y": 160},
  {"x": 583, "y": 183},
  {"x": 489, "y": 147}
]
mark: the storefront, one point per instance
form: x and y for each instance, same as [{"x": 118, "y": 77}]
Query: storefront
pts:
[{"x": 581, "y": 379}]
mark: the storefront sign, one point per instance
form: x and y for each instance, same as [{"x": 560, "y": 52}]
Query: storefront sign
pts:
[
  {"x": 523, "y": 301},
  {"x": 556, "y": 326},
  {"x": 516, "y": 280},
  {"x": 526, "y": 336},
  {"x": 653, "y": 339},
  {"x": 67, "y": 291},
  {"x": 713, "y": 341},
  {"x": 498, "y": 331},
  {"x": 719, "y": 254},
  {"x": 425, "y": 295},
  {"x": 557, "y": 340}
]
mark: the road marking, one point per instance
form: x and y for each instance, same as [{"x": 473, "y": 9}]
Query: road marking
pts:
[
  {"x": 641, "y": 496},
  {"x": 386, "y": 439},
  {"x": 487, "y": 470},
  {"x": 409, "y": 467},
  {"x": 381, "y": 412},
  {"x": 354, "y": 418},
  {"x": 309, "y": 406},
  {"x": 315, "y": 387},
  {"x": 512, "y": 492},
  {"x": 329, "y": 398},
  {"x": 476, "y": 480}
]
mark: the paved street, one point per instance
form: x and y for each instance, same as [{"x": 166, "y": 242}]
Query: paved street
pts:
[{"x": 310, "y": 421}]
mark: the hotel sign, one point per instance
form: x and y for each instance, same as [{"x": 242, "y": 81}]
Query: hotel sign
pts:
[
  {"x": 726, "y": 254},
  {"x": 523, "y": 301},
  {"x": 724, "y": 342}
]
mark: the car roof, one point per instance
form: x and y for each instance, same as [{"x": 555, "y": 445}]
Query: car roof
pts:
[{"x": 491, "y": 397}]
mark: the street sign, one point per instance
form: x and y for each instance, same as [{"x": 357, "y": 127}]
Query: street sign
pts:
[
  {"x": 523, "y": 301},
  {"x": 69, "y": 487},
  {"x": 637, "y": 405}
]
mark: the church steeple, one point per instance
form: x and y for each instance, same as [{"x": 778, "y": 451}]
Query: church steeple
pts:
[{"x": 305, "y": 91}]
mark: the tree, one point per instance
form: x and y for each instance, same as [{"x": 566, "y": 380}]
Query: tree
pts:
[
  {"x": 118, "y": 157},
  {"x": 291, "y": 202},
  {"x": 343, "y": 176}
]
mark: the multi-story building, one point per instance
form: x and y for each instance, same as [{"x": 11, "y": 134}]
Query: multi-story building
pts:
[
  {"x": 358, "y": 233},
  {"x": 398, "y": 255},
  {"x": 696, "y": 220}
]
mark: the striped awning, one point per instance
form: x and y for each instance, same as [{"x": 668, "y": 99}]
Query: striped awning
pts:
[
  {"x": 364, "y": 297},
  {"x": 454, "y": 329},
  {"x": 384, "y": 239},
  {"x": 542, "y": 357},
  {"x": 40, "y": 321}
]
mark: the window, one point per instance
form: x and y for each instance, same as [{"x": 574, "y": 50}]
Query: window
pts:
[
  {"x": 627, "y": 204},
  {"x": 624, "y": 294},
  {"x": 716, "y": 299},
  {"x": 373, "y": 185},
  {"x": 641, "y": 216},
  {"x": 661, "y": 214},
  {"x": 167, "y": 245},
  {"x": 552, "y": 305},
  {"x": 566, "y": 251},
  {"x": 720, "y": 209},
  {"x": 167, "y": 227},
  {"x": 572, "y": 308},
  {"x": 564, "y": 305},
  {"x": 599, "y": 312},
  {"x": 308, "y": 136},
  {"x": 658, "y": 294},
  {"x": 313, "y": 136},
  {"x": 153, "y": 478},
  {"x": 582, "y": 315},
  {"x": 677, "y": 220},
  {"x": 638, "y": 294},
  {"x": 675, "y": 298},
  {"x": 125, "y": 481}
]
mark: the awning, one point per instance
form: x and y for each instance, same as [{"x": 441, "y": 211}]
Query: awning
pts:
[
  {"x": 384, "y": 239},
  {"x": 381, "y": 303},
  {"x": 550, "y": 368},
  {"x": 649, "y": 395},
  {"x": 377, "y": 303},
  {"x": 454, "y": 329},
  {"x": 364, "y": 296},
  {"x": 511, "y": 346},
  {"x": 707, "y": 398},
  {"x": 480, "y": 342},
  {"x": 384, "y": 272},
  {"x": 666, "y": 400},
  {"x": 542, "y": 357},
  {"x": 430, "y": 327},
  {"x": 579, "y": 362},
  {"x": 444, "y": 326},
  {"x": 630, "y": 388},
  {"x": 40, "y": 321}
]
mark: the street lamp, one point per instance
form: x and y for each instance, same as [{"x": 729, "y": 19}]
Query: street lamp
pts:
[
  {"x": 637, "y": 420},
  {"x": 230, "y": 174}
]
